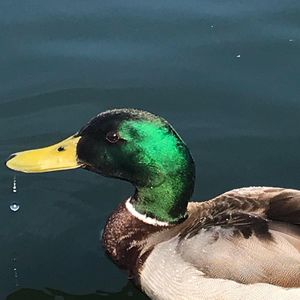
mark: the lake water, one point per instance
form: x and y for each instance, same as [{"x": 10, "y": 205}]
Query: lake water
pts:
[{"x": 224, "y": 73}]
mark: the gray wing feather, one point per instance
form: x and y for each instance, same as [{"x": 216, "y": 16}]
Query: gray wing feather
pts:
[{"x": 248, "y": 235}]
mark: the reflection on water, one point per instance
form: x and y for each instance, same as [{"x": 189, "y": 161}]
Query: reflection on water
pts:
[{"x": 128, "y": 292}]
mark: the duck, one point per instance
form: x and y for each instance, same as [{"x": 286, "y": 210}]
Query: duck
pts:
[{"x": 243, "y": 244}]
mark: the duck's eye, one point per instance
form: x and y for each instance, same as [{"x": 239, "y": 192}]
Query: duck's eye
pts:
[{"x": 113, "y": 137}]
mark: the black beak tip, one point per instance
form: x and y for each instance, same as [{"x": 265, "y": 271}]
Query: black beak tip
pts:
[{"x": 11, "y": 157}]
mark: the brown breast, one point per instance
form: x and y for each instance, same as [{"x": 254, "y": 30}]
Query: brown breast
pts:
[{"x": 123, "y": 239}]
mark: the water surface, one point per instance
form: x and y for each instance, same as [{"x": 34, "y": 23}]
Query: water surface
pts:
[{"x": 224, "y": 73}]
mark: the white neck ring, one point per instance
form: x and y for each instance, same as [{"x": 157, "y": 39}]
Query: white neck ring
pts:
[{"x": 142, "y": 217}]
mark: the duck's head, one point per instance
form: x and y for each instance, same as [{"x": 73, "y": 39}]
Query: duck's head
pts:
[{"x": 129, "y": 144}]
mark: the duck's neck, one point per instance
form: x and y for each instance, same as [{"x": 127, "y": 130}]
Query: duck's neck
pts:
[
  {"x": 162, "y": 169},
  {"x": 166, "y": 201}
]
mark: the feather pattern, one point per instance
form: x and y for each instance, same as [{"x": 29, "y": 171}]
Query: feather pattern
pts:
[
  {"x": 243, "y": 243},
  {"x": 249, "y": 236}
]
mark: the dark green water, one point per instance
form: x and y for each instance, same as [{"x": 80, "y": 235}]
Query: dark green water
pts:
[{"x": 224, "y": 73}]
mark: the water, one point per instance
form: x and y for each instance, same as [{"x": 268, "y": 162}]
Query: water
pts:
[{"x": 224, "y": 73}]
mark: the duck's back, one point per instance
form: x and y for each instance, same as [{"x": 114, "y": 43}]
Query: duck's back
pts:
[{"x": 244, "y": 243}]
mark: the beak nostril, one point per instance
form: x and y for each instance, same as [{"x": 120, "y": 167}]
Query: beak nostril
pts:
[{"x": 61, "y": 148}]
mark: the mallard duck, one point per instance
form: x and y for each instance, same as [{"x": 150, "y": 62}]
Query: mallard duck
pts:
[{"x": 244, "y": 244}]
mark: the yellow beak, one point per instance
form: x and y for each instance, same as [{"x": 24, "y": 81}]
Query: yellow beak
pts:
[{"x": 61, "y": 156}]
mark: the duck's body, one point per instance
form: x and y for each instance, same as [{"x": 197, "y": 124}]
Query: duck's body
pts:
[
  {"x": 244, "y": 244},
  {"x": 236, "y": 246}
]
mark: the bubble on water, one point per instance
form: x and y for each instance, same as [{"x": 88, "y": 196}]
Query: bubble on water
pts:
[
  {"x": 14, "y": 207},
  {"x": 238, "y": 56}
]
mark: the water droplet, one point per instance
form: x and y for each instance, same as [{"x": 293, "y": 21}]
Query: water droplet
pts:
[
  {"x": 15, "y": 271},
  {"x": 238, "y": 56},
  {"x": 14, "y": 207},
  {"x": 14, "y": 188},
  {"x": 212, "y": 26}
]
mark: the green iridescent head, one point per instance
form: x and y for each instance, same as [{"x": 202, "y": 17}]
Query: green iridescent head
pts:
[
  {"x": 144, "y": 149},
  {"x": 132, "y": 145}
]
